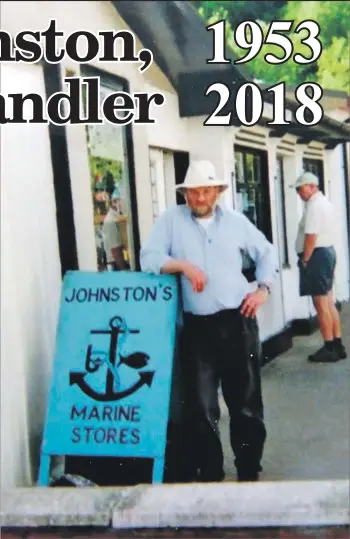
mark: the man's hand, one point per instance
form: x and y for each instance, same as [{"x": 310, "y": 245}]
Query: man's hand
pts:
[
  {"x": 253, "y": 301},
  {"x": 195, "y": 275},
  {"x": 309, "y": 246}
]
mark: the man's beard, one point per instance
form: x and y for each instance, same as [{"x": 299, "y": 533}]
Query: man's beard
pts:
[{"x": 206, "y": 211}]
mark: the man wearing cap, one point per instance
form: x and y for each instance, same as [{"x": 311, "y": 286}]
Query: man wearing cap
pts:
[
  {"x": 317, "y": 260},
  {"x": 112, "y": 239},
  {"x": 204, "y": 243}
]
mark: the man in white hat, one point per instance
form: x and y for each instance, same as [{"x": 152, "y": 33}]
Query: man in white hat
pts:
[
  {"x": 317, "y": 260},
  {"x": 204, "y": 243}
]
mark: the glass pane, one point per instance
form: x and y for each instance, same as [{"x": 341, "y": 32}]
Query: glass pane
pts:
[
  {"x": 239, "y": 170},
  {"x": 109, "y": 178},
  {"x": 257, "y": 169},
  {"x": 246, "y": 191},
  {"x": 249, "y": 171}
]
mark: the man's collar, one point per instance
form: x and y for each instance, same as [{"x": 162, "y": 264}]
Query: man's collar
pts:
[{"x": 314, "y": 196}]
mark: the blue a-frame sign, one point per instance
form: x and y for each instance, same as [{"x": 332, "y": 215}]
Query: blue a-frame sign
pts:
[{"x": 112, "y": 368}]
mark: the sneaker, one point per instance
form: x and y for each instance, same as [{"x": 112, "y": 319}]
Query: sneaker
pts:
[
  {"x": 341, "y": 351},
  {"x": 324, "y": 355}
]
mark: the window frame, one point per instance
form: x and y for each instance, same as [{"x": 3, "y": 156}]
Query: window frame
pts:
[
  {"x": 286, "y": 261},
  {"x": 117, "y": 83}
]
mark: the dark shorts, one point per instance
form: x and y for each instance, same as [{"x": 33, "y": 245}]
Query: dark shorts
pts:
[{"x": 316, "y": 279}]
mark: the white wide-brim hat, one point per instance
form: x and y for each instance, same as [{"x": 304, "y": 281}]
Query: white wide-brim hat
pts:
[
  {"x": 306, "y": 178},
  {"x": 201, "y": 174}
]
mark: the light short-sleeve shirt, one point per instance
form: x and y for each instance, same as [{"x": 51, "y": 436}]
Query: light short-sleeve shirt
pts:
[
  {"x": 111, "y": 234},
  {"x": 318, "y": 218}
]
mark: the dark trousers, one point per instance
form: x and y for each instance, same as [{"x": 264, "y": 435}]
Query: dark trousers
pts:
[{"x": 221, "y": 348}]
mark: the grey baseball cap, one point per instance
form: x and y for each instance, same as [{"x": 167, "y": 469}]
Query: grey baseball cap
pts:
[{"x": 306, "y": 178}]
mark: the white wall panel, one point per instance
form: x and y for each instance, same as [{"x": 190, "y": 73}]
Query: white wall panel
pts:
[{"x": 31, "y": 280}]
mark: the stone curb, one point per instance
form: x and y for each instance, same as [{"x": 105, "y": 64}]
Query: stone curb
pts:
[
  {"x": 237, "y": 505},
  {"x": 219, "y": 505},
  {"x": 41, "y": 506}
]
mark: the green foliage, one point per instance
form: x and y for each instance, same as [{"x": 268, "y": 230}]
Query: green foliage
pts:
[
  {"x": 108, "y": 170},
  {"x": 333, "y": 66},
  {"x": 331, "y": 70},
  {"x": 242, "y": 10},
  {"x": 332, "y": 16}
]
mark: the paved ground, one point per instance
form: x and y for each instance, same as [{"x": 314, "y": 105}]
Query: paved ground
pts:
[{"x": 307, "y": 415}]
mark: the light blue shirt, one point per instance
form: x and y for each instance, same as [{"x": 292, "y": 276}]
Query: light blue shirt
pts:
[{"x": 217, "y": 251}]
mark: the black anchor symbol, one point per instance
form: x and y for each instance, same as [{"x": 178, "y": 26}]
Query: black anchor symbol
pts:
[{"x": 118, "y": 326}]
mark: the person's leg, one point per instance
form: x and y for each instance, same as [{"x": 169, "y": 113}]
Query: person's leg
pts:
[
  {"x": 325, "y": 316},
  {"x": 336, "y": 325},
  {"x": 202, "y": 446},
  {"x": 338, "y": 345},
  {"x": 318, "y": 282},
  {"x": 241, "y": 387},
  {"x": 327, "y": 353}
]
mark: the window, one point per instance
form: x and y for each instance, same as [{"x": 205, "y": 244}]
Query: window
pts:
[
  {"x": 316, "y": 167},
  {"x": 281, "y": 214},
  {"x": 253, "y": 194},
  {"x": 252, "y": 188},
  {"x": 110, "y": 184}
]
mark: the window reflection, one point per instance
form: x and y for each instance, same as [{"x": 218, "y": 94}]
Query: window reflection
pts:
[
  {"x": 248, "y": 178},
  {"x": 109, "y": 180},
  {"x": 316, "y": 167}
]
